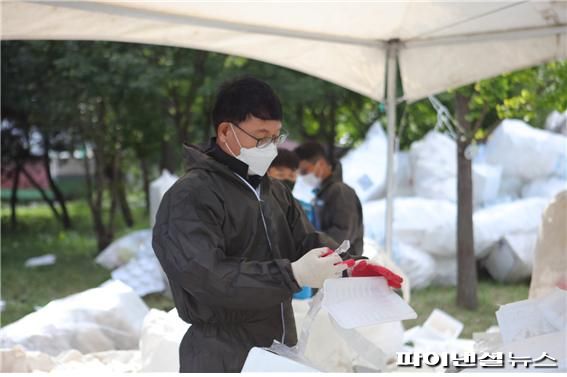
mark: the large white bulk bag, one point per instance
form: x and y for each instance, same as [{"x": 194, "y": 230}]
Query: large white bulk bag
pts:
[
  {"x": 99, "y": 319},
  {"x": 445, "y": 271},
  {"x": 364, "y": 168},
  {"x": 158, "y": 188},
  {"x": 544, "y": 187},
  {"x": 414, "y": 218},
  {"x": 434, "y": 167},
  {"x": 124, "y": 249},
  {"x": 525, "y": 151},
  {"x": 491, "y": 224},
  {"x": 511, "y": 259}
]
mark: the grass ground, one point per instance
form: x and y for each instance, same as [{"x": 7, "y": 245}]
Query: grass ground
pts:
[{"x": 25, "y": 289}]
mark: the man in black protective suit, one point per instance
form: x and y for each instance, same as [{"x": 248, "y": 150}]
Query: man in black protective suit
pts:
[
  {"x": 234, "y": 244},
  {"x": 336, "y": 208}
]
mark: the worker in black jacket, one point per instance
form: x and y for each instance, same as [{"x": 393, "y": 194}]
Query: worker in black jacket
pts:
[
  {"x": 233, "y": 243},
  {"x": 336, "y": 207}
]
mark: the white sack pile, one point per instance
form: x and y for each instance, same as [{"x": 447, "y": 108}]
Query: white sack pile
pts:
[
  {"x": 18, "y": 360},
  {"x": 364, "y": 168},
  {"x": 100, "y": 319},
  {"x": 131, "y": 257},
  {"x": 515, "y": 175}
]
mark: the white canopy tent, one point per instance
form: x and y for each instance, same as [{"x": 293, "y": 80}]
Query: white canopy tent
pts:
[{"x": 437, "y": 45}]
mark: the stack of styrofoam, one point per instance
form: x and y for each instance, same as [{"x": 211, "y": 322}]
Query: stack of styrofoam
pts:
[{"x": 100, "y": 319}]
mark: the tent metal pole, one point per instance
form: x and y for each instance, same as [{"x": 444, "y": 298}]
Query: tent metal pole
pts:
[{"x": 390, "y": 170}]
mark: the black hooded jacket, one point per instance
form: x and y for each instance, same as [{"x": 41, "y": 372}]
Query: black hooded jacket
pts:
[
  {"x": 338, "y": 212},
  {"x": 227, "y": 253}
]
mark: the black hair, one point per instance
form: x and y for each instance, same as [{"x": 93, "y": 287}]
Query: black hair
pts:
[
  {"x": 239, "y": 98},
  {"x": 286, "y": 159},
  {"x": 311, "y": 151}
]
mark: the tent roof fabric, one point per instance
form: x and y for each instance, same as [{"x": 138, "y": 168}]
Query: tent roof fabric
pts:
[{"x": 441, "y": 45}]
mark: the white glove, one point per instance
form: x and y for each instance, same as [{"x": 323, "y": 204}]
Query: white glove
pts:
[{"x": 311, "y": 270}]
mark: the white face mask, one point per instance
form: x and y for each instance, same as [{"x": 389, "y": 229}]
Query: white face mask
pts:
[
  {"x": 311, "y": 180},
  {"x": 257, "y": 159}
]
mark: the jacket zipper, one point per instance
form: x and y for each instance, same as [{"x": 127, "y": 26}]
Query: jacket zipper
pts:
[{"x": 269, "y": 245}]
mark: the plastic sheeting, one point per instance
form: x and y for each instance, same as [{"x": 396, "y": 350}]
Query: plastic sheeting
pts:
[
  {"x": 526, "y": 152},
  {"x": 364, "y": 168},
  {"x": 105, "y": 318}
]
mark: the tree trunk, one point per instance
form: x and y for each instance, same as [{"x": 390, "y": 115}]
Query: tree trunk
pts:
[
  {"x": 14, "y": 197},
  {"x": 43, "y": 194},
  {"x": 167, "y": 157},
  {"x": 94, "y": 199},
  {"x": 65, "y": 219},
  {"x": 123, "y": 200},
  {"x": 332, "y": 128},
  {"x": 467, "y": 274},
  {"x": 146, "y": 182},
  {"x": 300, "y": 115}
]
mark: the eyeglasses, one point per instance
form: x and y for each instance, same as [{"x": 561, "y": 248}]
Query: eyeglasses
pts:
[{"x": 265, "y": 141}]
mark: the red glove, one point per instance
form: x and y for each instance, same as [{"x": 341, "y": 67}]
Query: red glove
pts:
[
  {"x": 348, "y": 262},
  {"x": 367, "y": 269}
]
